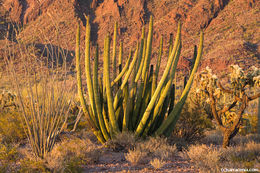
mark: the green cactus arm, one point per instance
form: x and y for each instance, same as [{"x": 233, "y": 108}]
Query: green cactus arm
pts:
[
  {"x": 150, "y": 106},
  {"x": 171, "y": 120},
  {"x": 175, "y": 114},
  {"x": 100, "y": 89},
  {"x": 158, "y": 63},
  {"x": 126, "y": 107},
  {"x": 99, "y": 137},
  {"x": 114, "y": 50},
  {"x": 194, "y": 56},
  {"x": 148, "y": 49},
  {"x": 131, "y": 67},
  {"x": 111, "y": 111},
  {"x": 97, "y": 97},
  {"x": 117, "y": 98},
  {"x": 127, "y": 121},
  {"x": 172, "y": 98},
  {"x": 88, "y": 72},
  {"x": 138, "y": 104},
  {"x": 170, "y": 45},
  {"x": 140, "y": 53},
  {"x": 128, "y": 111},
  {"x": 105, "y": 113},
  {"x": 119, "y": 91},
  {"x": 120, "y": 57},
  {"x": 164, "y": 94},
  {"x": 195, "y": 67},
  {"x": 79, "y": 80},
  {"x": 162, "y": 113},
  {"x": 124, "y": 70},
  {"x": 169, "y": 83},
  {"x": 139, "y": 72},
  {"x": 153, "y": 77}
]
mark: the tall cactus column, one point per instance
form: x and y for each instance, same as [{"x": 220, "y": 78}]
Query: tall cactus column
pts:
[
  {"x": 111, "y": 111},
  {"x": 137, "y": 103}
]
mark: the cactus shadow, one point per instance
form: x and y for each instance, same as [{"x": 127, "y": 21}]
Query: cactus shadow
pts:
[
  {"x": 87, "y": 8},
  {"x": 55, "y": 55}
]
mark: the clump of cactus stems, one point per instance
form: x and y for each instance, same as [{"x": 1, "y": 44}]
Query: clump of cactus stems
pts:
[
  {"x": 132, "y": 99},
  {"x": 229, "y": 117}
]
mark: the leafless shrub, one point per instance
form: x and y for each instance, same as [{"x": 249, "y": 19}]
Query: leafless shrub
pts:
[{"x": 43, "y": 94}]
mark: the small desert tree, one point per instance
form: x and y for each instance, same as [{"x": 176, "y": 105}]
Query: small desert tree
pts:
[{"x": 228, "y": 114}]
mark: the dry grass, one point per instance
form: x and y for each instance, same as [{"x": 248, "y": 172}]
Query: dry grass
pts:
[
  {"x": 73, "y": 152},
  {"x": 212, "y": 158},
  {"x": 8, "y": 157},
  {"x": 146, "y": 151},
  {"x": 136, "y": 156},
  {"x": 212, "y": 137},
  {"x": 204, "y": 157},
  {"x": 68, "y": 155},
  {"x": 158, "y": 147},
  {"x": 157, "y": 163},
  {"x": 215, "y": 138},
  {"x": 122, "y": 142}
]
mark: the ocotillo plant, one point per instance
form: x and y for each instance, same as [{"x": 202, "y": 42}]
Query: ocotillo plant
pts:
[{"x": 133, "y": 99}]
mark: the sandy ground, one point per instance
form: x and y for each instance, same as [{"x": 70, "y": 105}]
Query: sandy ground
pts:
[{"x": 115, "y": 162}]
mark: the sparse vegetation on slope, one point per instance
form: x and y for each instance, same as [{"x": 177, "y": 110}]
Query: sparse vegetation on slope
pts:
[{"x": 41, "y": 127}]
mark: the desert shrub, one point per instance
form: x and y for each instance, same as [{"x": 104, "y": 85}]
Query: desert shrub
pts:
[
  {"x": 72, "y": 153},
  {"x": 213, "y": 137},
  {"x": 212, "y": 159},
  {"x": 243, "y": 154},
  {"x": 122, "y": 142},
  {"x": 136, "y": 156},
  {"x": 158, "y": 147},
  {"x": 8, "y": 157},
  {"x": 33, "y": 166},
  {"x": 157, "y": 163},
  {"x": 11, "y": 126},
  {"x": 146, "y": 151},
  {"x": 204, "y": 157},
  {"x": 193, "y": 122}
]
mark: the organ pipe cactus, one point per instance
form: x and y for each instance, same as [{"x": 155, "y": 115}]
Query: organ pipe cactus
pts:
[{"x": 133, "y": 99}]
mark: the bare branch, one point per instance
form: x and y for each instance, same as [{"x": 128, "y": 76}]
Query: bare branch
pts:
[
  {"x": 225, "y": 109},
  {"x": 215, "y": 112},
  {"x": 254, "y": 97}
]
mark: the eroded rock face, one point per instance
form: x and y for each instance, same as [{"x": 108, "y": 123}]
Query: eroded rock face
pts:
[
  {"x": 14, "y": 8},
  {"x": 226, "y": 23},
  {"x": 24, "y": 11}
]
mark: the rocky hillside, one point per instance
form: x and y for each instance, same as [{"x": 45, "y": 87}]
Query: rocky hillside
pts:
[{"x": 231, "y": 27}]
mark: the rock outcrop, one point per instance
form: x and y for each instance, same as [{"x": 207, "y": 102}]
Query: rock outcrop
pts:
[{"x": 231, "y": 27}]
